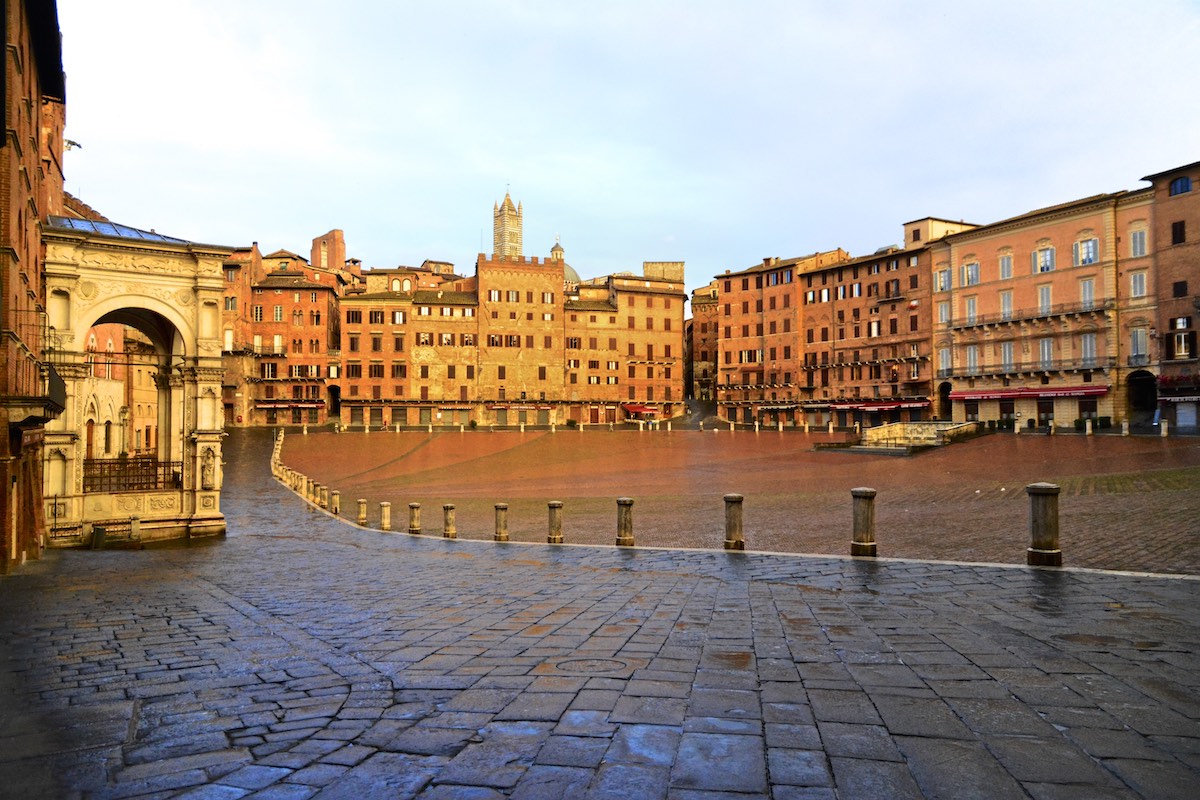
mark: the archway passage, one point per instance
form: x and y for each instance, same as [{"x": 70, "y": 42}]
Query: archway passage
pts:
[
  {"x": 944, "y": 409},
  {"x": 134, "y": 318},
  {"x": 1143, "y": 397}
]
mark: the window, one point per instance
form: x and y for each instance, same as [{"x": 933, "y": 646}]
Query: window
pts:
[
  {"x": 1139, "y": 342},
  {"x": 397, "y": 317},
  {"x": 547, "y": 297},
  {"x": 1182, "y": 344},
  {"x": 446, "y": 339},
  {"x": 944, "y": 368},
  {"x": 1178, "y": 232},
  {"x": 1180, "y": 185},
  {"x": 1137, "y": 243},
  {"x": 376, "y": 344},
  {"x": 398, "y": 343},
  {"x": 573, "y": 342},
  {"x": 943, "y": 312},
  {"x": 1179, "y": 289},
  {"x": 447, "y": 311},
  {"x": 352, "y": 344},
  {"x": 1043, "y": 259},
  {"x": 873, "y": 328},
  {"x": 972, "y": 359},
  {"x": 970, "y": 274},
  {"x": 423, "y": 311},
  {"x": 513, "y": 296},
  {"x": 1044, "y": 298},
  {"x": 1137, "y": 284},
  {"x": 1087, "y": 349},
  {"x": 375, "y": 370},
  {"x": 375, "y": 317},
  {"x": 971, "y": 305},
  {"x": 1086, "y": 252},
  {"x": 1005, "y": 267},
  {"x": 941, "y": 281},
  {"x": 353, "y": 317},
  {"x": 1046, "y": 353},
  {"x": 425, "y": 339},
  {"x": 1087, "y": 293},
  {"x": 354, "y": 370},
  {"x": 279, "y": 313},
  {"x": 1006, "y": 356},
  {"x": 1006, "y": 311},
  {"x": 399, "y": 370},
  {"x": 494, "y": 295},
  {"x": 231, "y": 304}
]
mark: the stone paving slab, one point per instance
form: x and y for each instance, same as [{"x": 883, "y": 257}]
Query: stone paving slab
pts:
[{"x": 303, "y": 657}]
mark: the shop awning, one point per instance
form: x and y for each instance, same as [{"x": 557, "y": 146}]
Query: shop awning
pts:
[
  {"x": 880, "y": 406},
  {"x": 1187, "y": 398},
  {"x": 1029, "y": 392},
  {"x": 285, "y": 404},
  {"x": 634, "y": 408}
]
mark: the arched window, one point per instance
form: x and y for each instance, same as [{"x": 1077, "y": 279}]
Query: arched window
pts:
[
  {"x": 407, "y": 285},
  {"x": 107, "y": 438},
  {"x": 1181, "y": 185},
  {"x": 395, "y": 284},
  {"x": 108, "y": 359}
]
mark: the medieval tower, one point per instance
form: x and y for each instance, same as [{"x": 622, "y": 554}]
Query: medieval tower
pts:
[{"x": 506, "y": 229}]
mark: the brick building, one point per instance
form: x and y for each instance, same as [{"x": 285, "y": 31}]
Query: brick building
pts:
[
  {"x": 31, "y": 189},
  {"x": 759, "y": 368},
  {"x": 281, "y": 335},
  {"x": 1175, "y": 234},
  {"x": 703, "y": 342},
  {"x": 1044, "y": 318},
  {"x": 522, "y": 341}
]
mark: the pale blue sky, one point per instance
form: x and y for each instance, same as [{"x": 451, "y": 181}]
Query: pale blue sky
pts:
[{"x": 716, "y": 133}]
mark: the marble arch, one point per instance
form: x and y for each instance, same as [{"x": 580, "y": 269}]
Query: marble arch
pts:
[{"x": 170, "y": 290}]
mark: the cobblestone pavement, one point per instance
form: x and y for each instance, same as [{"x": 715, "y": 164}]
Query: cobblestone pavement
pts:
[
  {"x": 1127, "y": 503},
  {"x": 304, "y": 657}
]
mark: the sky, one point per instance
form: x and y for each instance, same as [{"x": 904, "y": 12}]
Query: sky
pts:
[{"x": 714, "y": 133}]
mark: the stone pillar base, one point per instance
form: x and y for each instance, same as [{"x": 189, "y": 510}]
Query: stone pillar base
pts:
[
  {"x": 862, "y": 549},
  {"x": 1043, "y": 558},
  {"x": 552, "y": 539},
  {"x": 625, "y": 541},
  {"x": 733, "y": 544}
]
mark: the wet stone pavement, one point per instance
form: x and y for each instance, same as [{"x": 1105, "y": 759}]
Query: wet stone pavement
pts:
[{"x": 303, "y": 657}]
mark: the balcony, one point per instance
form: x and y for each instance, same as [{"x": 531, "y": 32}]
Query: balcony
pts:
[
  {"x": 1027, "y": 314},
  {"x": 1139, "y": 360},
  {"x": 1033, "y": 368}
]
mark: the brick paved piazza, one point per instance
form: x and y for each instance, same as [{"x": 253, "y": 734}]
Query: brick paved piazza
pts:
[
  {"x": 304, "y": 657},
  {"x": 1127, "y": 503}
]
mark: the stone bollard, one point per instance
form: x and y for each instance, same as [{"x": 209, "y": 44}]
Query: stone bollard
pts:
[
  {"x": 733, "y": 523},
  {"x": 414, "y": 518},
  {"x": 430, "y": 428},
  {"x": 1162, "y": 429},
  {"x": 863, "y": 543},
  {"x": 1125, "y": 428},
  {"x": 779, "y": 426},
  {"x": 553, "y": 428},
  {"x": 731, "y": 427},
  {"x": 135, "y": 528},
  {"x": 397, "y": 427},
  {"x": 805, "y": 427},
  {"x": 304, "y": 429},
  {"x": 335, "y": 502},
  {"x": 385, "y": 516},
  {"x": 501, "y": 534},
  {"x": 324, "y": 502},
  {"x": 462, "y": 428},
  {"x": 756, "y": 426},
  {"x": 362, "y": 511},
  {"x": 522, "y": 427},
  {"x": 554, "y": 536},
  {"x": 1043, "y": 525},
  {"x": 715, "y": 429},
  {"x": 449, "y": 529},
  {"x": 367, "y": 428},
  {"x": 831, "y": 425},
  {"x": 1087, "y": 426},
  {"x": 625, "y": 522}
]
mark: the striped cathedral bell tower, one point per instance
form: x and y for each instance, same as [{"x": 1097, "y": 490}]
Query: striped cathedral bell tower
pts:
[{"x": 506, "y": 229}]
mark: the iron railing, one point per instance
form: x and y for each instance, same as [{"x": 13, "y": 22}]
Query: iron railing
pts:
[{"x": 113, "y": 475}]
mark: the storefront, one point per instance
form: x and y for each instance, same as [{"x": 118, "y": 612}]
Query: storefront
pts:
[
  {"x": 1031, "y": 406},
  {"x": 872, "y": 414}
]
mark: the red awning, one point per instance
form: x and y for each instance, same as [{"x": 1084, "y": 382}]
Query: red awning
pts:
[
  {"x": 633, "y": 408},
  {"x": 880, "y": 406},
  {"x": 1034, "y": 393}
]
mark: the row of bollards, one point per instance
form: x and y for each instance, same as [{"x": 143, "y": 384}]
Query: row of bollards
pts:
[{"x": 1043, "y": 549}]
